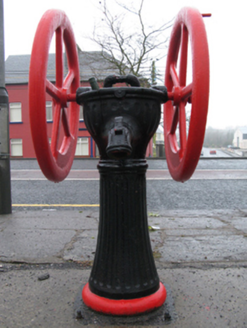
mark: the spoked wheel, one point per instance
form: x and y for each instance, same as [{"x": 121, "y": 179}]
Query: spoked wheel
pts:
[
  {"x": 184, "y": 136},
  {"x": 55, "y": 157}
]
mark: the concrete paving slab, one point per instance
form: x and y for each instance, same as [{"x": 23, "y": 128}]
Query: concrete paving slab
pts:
[
  {"x": 202, "y": 248},
  {"x": 28, "y": 302},
  {"x": 218, "y": 237},
  {"x": 196, "y": 298},
  {"x": 52, "y": 219},
  {"x": 83, "y": 247},
  {"x": 49, "y": 223},
  {"x": 33, "y": 246},
  {"x": 208, "y": 298},
  {"x": 238, "y": 222},
  {"x": 176, "y": 222},
  {"x": 44, "y": 237}
]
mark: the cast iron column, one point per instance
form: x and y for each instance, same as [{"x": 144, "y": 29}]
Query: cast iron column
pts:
[{"x": 124, "y": 266}]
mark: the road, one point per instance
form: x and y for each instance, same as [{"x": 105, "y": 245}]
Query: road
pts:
[
  {"x": 219, "y": 153},
  {"x": 216, "y": 184}
]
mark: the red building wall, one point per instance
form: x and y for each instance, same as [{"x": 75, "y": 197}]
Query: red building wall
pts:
[{"x": 21, "y": 130}]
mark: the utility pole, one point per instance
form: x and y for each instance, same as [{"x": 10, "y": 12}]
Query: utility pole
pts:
[
  {"x": 5, "y": 185},
  {"x": 153, "y": 73},
  {"x": 153, "y": 82}
]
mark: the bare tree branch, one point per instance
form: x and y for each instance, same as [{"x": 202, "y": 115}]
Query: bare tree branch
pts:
[{"x": 129, "y": 46}]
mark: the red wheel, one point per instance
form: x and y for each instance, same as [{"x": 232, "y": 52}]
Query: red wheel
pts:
[
  {"x": 183, "y": 154},
  {"x": 55, "y": 159}
]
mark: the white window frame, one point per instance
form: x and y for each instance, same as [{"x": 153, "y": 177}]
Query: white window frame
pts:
[
  {"x": 82, "y": 147},
  {"x": 15, "y": 112},
  {"x": 81, "y": 118},
  {"x": 48, "y": 107},
  {"x": 16, "y": 147}
]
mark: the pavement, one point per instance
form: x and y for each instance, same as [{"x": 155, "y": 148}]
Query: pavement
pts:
[
  {"x": 46, "y": 258},
  {"x": 152, "y": 174}
]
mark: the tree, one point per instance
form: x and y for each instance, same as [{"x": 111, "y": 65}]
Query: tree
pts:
[
  {"x": 129, "y": 49},
  {"x": 218, "y": 137}
]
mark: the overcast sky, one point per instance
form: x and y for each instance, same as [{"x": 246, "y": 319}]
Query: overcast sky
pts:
[{"x": 226, "y": 31}]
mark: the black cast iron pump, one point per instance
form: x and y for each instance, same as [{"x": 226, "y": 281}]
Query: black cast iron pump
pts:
[{"x": 122, "y": 121}]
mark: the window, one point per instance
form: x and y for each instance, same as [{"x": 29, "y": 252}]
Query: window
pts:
[
  {"x": 244, "y": 136},
  {"x": 49, "y": 111},
  {"x": 15, "y": 112},
  {"x": 81, "y": 118},
  {"x": 16, "y": 147},
  {"x": 82, "y": 147},
  {"x": 159, "y": 136}
]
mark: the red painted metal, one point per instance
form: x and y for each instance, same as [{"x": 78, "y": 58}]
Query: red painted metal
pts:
[
  {"x": 182, "y": 157},
  {"x": 55, "y": 159},
  {"x": 124, "y": 307}
]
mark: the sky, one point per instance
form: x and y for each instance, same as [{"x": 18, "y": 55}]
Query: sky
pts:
[{"x": 226, "y": 33}]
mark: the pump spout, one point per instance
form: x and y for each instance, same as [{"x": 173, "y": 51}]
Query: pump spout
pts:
[{"x": 119, "y": 146}]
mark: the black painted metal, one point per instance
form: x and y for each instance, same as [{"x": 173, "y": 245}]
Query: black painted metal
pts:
[
  {"x": 119, "y": 140},
  {"x": 122, "y": 121},
  {"x": 123, "y": 267},
  {"x": 129, "y": 79}
]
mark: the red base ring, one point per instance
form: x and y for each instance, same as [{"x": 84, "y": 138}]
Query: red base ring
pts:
[{"x": 124, "y": 307}]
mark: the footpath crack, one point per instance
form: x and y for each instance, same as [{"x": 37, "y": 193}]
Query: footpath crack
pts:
[
  {"x": 87, "y": 265},
  {"x": 16, "y": 266},
  {"x": 70, "y": 245}
]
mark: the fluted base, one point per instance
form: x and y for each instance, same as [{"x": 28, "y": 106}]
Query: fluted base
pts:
[{"x": 123, "y": 267}]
